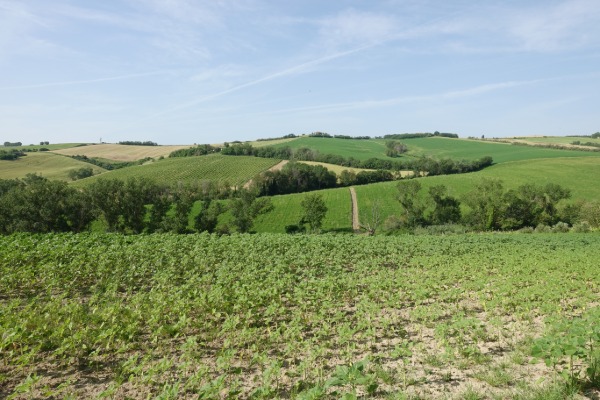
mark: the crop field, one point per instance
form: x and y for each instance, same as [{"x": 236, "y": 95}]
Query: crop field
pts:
[
  {"x": 231, "y": 169},
  {"x": 288, "y": 211},
  {"x": 474, "y": 149},
  {"x": 499, "y": 316},
  {"x": 556, "y": 139},
  {"x": 358, "y": 149},
  {"x": 119, "y": 152},
  {"x": 437, "y": 147},
  {"x": 49, "y": 165}
]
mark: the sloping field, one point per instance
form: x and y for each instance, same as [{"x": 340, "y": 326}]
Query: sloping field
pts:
[
  {"x": 56, "y": 146},
  {"x": 358, "y": 149},
  {"x": 437, "y": 147},
  {"x": 120, "y": 152},
  {"x": 47, "y": 164},
  {"x": 288, "y": 211},
  {"x": 571, "y": 173},
  {"x": 555, "y": 139},
  {"x": 231, "y": 169},
  {"x": 474, "y": 149}
]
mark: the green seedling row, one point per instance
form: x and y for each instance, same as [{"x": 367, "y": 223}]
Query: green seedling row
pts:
[{"x": 297, "y": 316}]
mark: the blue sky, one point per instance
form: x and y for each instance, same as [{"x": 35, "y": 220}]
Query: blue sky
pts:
[{"x": 200, "y": 71}]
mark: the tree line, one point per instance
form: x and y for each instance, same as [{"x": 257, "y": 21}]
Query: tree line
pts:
[
  {"x": 488, "y": 207},
  {"x": 136, "y": 205},
  {"x": 419, "y": 165}
]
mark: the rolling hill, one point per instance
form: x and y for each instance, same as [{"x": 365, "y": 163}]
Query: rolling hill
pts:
[
  {"x": 234, "y": 170},
  {"x": 47, "y": 164},
  {"x": 119, "y": 152}
]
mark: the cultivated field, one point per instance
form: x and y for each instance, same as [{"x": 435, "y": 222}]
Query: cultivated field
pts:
[
  {"x": 436, "y": 147},
  {"x": 300, "y": 317},
  {"x": 119, "y": 152},
  {"x": 47, "y": 164},
  {"x": 231, "y": 169}
]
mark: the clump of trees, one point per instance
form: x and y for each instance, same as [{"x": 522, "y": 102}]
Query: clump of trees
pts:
[
  {"x": 395, "y": 148},
  {"x": 80, "y": 173},
  {"x": 487, "y": 207},
  {"x": 138, "y": 143},
  {"x": 11, "y": 154},
  {"x": 132, "y": 206},
  {"x": 294, "y": 177},
  {"x": 109, "y": 165},
  {"x": 199, "y": 150},
  {"x": 12, "y": 144}
]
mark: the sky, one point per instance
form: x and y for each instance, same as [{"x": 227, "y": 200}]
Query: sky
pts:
[{"x": 207, "y": 71}]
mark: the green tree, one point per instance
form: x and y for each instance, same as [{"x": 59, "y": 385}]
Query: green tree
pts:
[
  {"x": 486, "y": 204},
  {"x": 245, "y": 207},
  {"x": 446, "y": 208},
  {"x": 208, "y": 218},
  {"x": 412, "y": 205},
  {"x": 314, "y": 211}
]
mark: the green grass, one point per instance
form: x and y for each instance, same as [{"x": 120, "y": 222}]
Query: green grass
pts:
[
  {"x": 558, "y": 139},
  {"x": 436, "y": 147},
  {"x": 571, "y": 173},
  {"x": 359, "y": 149},
  {"x": 288, "y": 211},
  {"x": 230, "y": 169},
  {"x": 49, "y": 165}
]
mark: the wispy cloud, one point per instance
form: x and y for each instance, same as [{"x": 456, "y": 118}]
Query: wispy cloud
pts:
[
  {"x": 449, "y": 95},
  {"x": 300, "y": 68},
  {"x": 84, "y": 81}
]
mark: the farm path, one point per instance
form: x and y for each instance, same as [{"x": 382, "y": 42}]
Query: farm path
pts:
[
  {"x": 355, "y": 219},
  {"x": 276, "y": 167}
]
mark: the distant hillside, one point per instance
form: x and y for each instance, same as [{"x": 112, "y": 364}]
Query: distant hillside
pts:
[
  {"x": 437, "y": 147},
  {"x": 217, "y": 167},
  {"x": 47, "y": 164},
  {"x": 572, "y": 173},
  {"x": 119, "y": 152}
]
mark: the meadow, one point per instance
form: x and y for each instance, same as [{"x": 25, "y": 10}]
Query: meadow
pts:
[
  {"x": 47, "y": 164},
  {"x": 226, "y": 169},
  {"x": 495, "y": 316}
]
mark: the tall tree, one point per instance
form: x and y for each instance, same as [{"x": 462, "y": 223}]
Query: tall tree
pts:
[{"x": 314, "y": 211}]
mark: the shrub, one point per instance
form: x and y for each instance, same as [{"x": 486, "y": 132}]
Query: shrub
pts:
[
  {"x": 561, "y": 227},
  {"x": 581, "y": 227}
]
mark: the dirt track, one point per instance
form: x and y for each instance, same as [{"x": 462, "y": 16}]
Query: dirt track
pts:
[
  {"x": 355, "y": 219},
  {"x": 276, "y": 167}
]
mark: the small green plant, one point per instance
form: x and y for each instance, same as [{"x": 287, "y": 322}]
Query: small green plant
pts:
[
  {"x": 354, "y": 376},
  {"x": 574, "y": 342}
]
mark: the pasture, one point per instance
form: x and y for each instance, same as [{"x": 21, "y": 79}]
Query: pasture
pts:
[
  {"x": 47, "y": 164},
  {"x": 300, "y": 317}
]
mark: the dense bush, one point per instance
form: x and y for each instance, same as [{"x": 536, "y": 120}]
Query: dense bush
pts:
[
  {"x": 11, "y": 154},
  {"x": 199, "y": 150}
]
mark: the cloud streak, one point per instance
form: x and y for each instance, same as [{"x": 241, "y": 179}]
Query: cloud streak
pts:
[
  {"x": 300, "y": 68},
  {"x": 83, "y": 81}
]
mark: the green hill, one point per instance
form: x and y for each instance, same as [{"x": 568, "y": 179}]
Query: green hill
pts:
[
  {"x": 49, "y": 165},
  {"x": 234, "y": 170},
  {"x": 572, "y": 173},
  {"x": 437, "y": 147}
]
